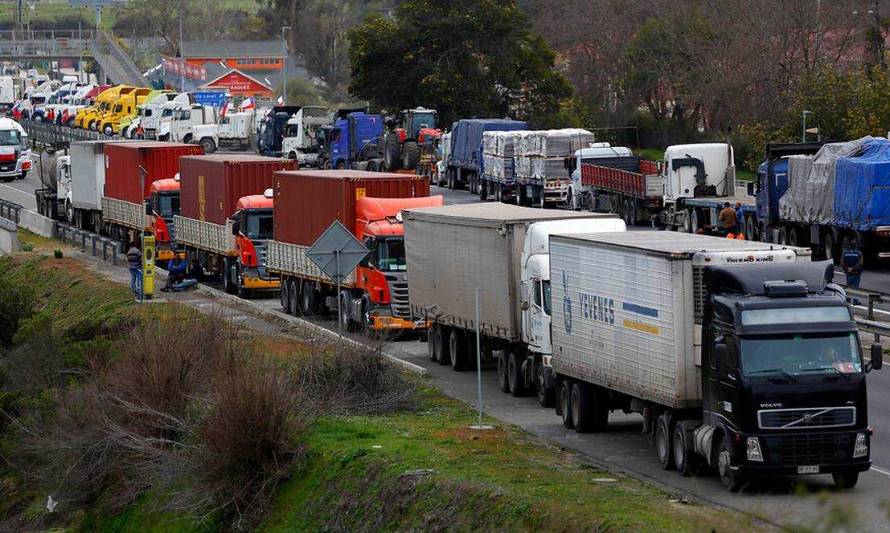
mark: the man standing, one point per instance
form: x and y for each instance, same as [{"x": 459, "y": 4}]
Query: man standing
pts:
[
  {"x": 739, "y": 219},
  {"x": 852, "y": 263},
  {"x": 134, "y": 263},
  {"x": 727, "y": 219}
]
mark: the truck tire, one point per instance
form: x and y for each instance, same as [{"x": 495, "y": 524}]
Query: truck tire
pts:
[
  {"x": 108, "y": 130},
  {"x": 410, "y": 155},
  {"x": 431, "y": 344},
  {"x": 208, "y": 145},
  {"x": 346, "y": 321},
  {"x": 483, "y": 191},
  {"x": 392, "y": 153},
  {"x": 582, "y": 418},
  {"x": 730, "y": 478},
  {"x": 565, "y": 403},
  {"x": 457, "y": 349},
  {"x": 845, "y": 480},
  {"x": 69, "y": 213},
  {"x": 308, "y": 300},
  {"x": 663, "y": 442},
  {"x": 545, "y": 395},
  {"x": 514, "y": 374},
  {"x": 293, "y": 292},
  {"x": 830, "y": 247},
  {"x": 240, "y": 291},
  {"x": 794, "y": 237},
  {"x": 503, "y": 381},
  {"x": 441, "y": 345},
  {"x": 630, "y": 212},
  {"x": 783, "y": 236},
  {"x": 228, "y": 286},
  {"x": 284, "y": 296},
  {"x": 684, "y": 458}
]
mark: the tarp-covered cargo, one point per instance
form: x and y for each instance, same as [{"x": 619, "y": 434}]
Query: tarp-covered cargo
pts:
[
  {"x": 553, "y": 143},
  {"x": 862, "y": 187},
  {"x": 466, "y": 138}
]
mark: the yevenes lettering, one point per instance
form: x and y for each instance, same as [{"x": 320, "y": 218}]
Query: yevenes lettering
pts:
[{"x": 598, "y": 308}]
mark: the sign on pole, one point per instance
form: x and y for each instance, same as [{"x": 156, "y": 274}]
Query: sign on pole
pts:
[{"x": 337, "y": 252}]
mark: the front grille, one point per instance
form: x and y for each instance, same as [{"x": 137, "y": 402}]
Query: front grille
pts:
[
  {"x": 7, "y": 168},
  {"x": 262, "y": 250},
  {"x": 803, "y": 449},
  {"x": 816, "y": 417},
  {"x": 398, "y": 291}
]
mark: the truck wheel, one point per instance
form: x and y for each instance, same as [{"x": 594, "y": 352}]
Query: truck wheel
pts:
[
  {"x": 565, "y": 403},
  {"x": 284, "y": 296},
  {"x": 483, "y": 191},
  {"x": 293, "y": 292},
  {"x": 630, "y": 212},
  {"x": 240, "y": 291},
  {"x": 228, "y": 286},
  {"x": 845, "y": 480},
  {"x": 410, "y": 155},
  {"x": 830, "y": 247},
  {"x": 69, "y": 213},
  {"x": 431, "y": 343},
  {"x": 729, "y": 477},
  {"x": 503, "y": 381},
  {"x": 794, "y": 237},
  {"x": 663, "y": 443},
  {"x": 308, "y": 300},
  {"x": 514, "y": 374},
  {"x": 683, "y": 458},
  {"x": 208, "y": 145},
  {"x": 346, "y": 321},
  {"x": 457, "y": 350},
  {"x": 783, "y": 236},
  {"x": 580, "y": 407},
  {"x": 545, "y": 395},
  {"x": 108, "y": 130},
  {"x": 442, "y": 345}
]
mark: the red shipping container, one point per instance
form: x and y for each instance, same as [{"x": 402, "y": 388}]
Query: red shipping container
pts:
[
  {"x": 308, "y": 201},
  {"x": 159, "y": 159},
  {"x": 212, "y": 184}
]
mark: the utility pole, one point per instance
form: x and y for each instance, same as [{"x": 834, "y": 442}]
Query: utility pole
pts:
[
  {"x": 879, "y": 35},
  {"x": 181, "y": 59},
  {"x": 284, "y": 62}
]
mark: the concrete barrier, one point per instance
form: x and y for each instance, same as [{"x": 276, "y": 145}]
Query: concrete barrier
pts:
[
  {"x": 36, "y": 223},
  {"x": 9, "y": 237}
]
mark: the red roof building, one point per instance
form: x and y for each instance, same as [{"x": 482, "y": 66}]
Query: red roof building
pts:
[{"x": 237, "y": 83}]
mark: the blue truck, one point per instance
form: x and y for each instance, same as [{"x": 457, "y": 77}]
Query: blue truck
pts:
[
  {"x": 464, "y": 163},
  {"x": 826, "y": 196},
  {"x": 353, "y": 141}
]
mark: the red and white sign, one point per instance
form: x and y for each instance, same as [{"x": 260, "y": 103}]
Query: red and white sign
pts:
[
  {"x": 237, "y": 83},
  {"x": 175, "y": 65}
]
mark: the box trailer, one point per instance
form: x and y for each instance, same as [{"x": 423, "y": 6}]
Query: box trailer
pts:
[
  {"x": 502, "y": 251},
  {"x": 465, "y": 155},
  {"x": 740, "y": 355},
  {"x": 375, "y": 295},
  {"x": 217, "y": 192}
]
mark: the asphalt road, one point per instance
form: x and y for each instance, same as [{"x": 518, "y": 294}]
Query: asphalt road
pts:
[{"x": 796, "y": 500}]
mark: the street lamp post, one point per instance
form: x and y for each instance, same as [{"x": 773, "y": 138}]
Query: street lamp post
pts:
[
  {"x": 803, "y": 134},
  {"x": 284, "y": 62},
  {"x": 181, "y": 60}
]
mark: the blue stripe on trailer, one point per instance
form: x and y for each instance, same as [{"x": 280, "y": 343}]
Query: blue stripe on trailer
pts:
[{"x": 640, "y": 309}]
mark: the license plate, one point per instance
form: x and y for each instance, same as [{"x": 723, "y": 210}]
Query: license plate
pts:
[{"x": 808, "y": 469}]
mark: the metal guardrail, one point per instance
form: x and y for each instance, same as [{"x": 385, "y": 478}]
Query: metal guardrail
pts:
[
  {"x": 89, "y": 242},
  {"x": 867, "y": 316},
  {"x": 10, "y": 211},
  {"x": 46, "y": 134}
]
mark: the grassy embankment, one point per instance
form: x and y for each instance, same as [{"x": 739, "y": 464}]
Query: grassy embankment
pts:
[{"x": 415, "y": 469}]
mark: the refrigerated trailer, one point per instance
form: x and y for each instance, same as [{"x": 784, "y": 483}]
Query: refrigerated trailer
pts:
[
  {"x": 740, "y": 355},
  {"x": 501, "y": 250}
]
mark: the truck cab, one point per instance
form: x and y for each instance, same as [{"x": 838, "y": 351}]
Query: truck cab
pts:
[
  {"x": 580, "y": 195},
  {"x": 163, "y": 204},
  {"x": 90, "y": 117},
  {"x": 15, "y": 151},
  {"x": 382, "y": 302},
  {"x": 252, "y": 228},
  {"x": 159, "y": 111},
  {"x": 299, "y": 140},
  {"x": 782, "y": 374},
  {"x": 233, "y": 131},
  {"x": 357, "y": 137},
  {"x": 185, "y": 118}
]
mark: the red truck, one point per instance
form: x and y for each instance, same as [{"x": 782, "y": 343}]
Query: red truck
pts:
[
  {"x": 375, "y": 296},
  {"x": 628, "y": 186},
  {"x": 221, "y": 194},
  {"x": 131, "y": 169}
]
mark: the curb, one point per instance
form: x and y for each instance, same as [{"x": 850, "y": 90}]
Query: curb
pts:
[{"x": 305, "y": 324}]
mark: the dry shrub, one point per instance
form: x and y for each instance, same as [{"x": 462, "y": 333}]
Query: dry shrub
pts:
[{"x": 344, "y": 378}]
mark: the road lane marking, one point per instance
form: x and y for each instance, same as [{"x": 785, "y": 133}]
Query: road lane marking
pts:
[{"x": 881, "y": 471}]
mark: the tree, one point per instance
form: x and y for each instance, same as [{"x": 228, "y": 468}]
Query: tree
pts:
[{"x": 465, "y": 57}]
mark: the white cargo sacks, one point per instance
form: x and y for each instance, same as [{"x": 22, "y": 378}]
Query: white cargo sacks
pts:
[{"x": 531, "y": 154}]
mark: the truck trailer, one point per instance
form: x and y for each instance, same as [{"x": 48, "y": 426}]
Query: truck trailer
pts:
[
  {"x": 465, "y": 157},
  {"x": 220, "y": 192},
  {"x": 375, "y": 295},
  {"x": 741, "y": 356},
  {"x": 501, "y": 250}
]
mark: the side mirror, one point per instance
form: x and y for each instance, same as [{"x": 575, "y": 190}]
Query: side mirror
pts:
[
  {"x": 877, "y": 356},
  {"x": 524, "y": 306},
  {"x": 720, "y": 351},
  {"x": 236, "y": 228}
]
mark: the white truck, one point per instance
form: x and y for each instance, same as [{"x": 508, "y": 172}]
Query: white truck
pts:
[
  {"x": 159, "y": 129},
  {"x": 501, "y": 250},
  {"x": 185, "y": 118},
  {"x": 8, "y": 92},
  {"x": 87, "y": 161},
  {"x": 234, "y": 132},
  {"x": 299, "y": 141},
  {"x": 15, "y": 151},
  {"x": 55, "y": 176},
  {"x": 741, "y": 356}
]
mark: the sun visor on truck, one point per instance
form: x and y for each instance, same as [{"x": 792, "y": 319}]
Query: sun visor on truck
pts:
[{"x": 751, "y": 278}]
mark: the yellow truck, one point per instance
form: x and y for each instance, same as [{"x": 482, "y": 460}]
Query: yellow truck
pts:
[
  {"x": 91, "y": 117},
  {"x": 125, "y": 107}
]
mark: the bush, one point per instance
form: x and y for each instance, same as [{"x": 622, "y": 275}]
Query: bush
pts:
[{"x": 15, "y": 306}]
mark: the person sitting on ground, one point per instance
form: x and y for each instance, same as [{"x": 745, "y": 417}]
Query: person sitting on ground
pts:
[
  {"x": 727, "y": 219},
  {"x": 176, "y": 272}
]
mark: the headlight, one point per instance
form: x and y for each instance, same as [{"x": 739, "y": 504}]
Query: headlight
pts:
[
  {"x": 754, "y": 453},
  {"x": 861, "y": 448}
]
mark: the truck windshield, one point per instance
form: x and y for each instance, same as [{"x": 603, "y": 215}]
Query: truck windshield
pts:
[
  {"x": 259, "y": 225},
  {"x": 167, "y": 205},
  {"x": 9, "y": 138},
  {"x": 817, "y": 353},
  {"x": 391, "y": 255}
]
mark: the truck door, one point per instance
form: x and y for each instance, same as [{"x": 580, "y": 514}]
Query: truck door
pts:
[
  {"x": 723, "y": 380},
  {"x": 537, "y": 317}
]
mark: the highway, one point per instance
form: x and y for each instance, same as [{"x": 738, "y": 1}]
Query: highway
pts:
[{"x": 784, "y": 501}]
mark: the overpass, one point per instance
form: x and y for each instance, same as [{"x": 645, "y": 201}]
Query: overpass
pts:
[{"x": 52, "y": 45}]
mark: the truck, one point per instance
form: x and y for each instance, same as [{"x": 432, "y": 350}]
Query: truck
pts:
[
  {"x": 465, "y": 150},
  {"x": 354, "y": 141},
  {"x": 539, "y": 165},
  {"x": 219, "y": 192},
  {"x": 87, "y": 171},
  {"x": 9, "y": 93},
  {"x": 375, "y": 296},
  {"x": 126, "y": 126},
  {"x": 582, "y": 196},
  {"x": 300, "y": 141},
  {"x": 272, "y": 129},
  {"x": 501, "y": 250},
  {"x": 694, "y": 182},
  {"x": 130, "y": 170},
  {"x": 159, "y": 109},
  {"x": 234, "y": 132},
  {"x": 124, "y": 109},
  {"x": 15, "y": 151},
  {"x": 55, "y": 175},
  {"x": 741, "y": 356},
  {"x": 183, "y": 121},
  {"x": 826, "y": 196},
  {"x": 89, "y": 117}
]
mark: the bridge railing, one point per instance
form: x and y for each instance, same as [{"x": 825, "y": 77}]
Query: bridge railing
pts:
[
  {"x": 46, "y": 35},
  {"x": 43, "y": 134}
]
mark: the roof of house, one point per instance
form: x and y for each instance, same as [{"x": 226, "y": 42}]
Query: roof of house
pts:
[{"x": 231, "y": 49}]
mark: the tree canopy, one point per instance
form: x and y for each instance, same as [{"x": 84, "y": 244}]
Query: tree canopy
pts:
[{"x": 468, "y": 58}]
